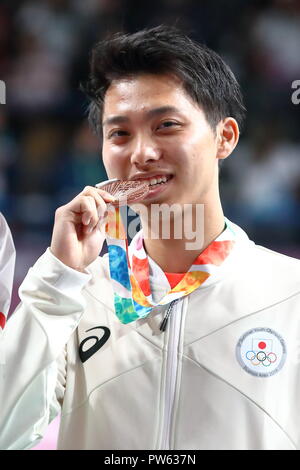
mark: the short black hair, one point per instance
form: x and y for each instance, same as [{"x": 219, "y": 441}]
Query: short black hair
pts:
[{"x": 165, "y": 50}]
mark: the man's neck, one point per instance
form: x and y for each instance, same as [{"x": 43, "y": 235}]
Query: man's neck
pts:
[{"x": 175, "y": 255}]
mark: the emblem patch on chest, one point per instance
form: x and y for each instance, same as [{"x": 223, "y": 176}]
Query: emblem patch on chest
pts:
[{"x": 261, "y": 352}]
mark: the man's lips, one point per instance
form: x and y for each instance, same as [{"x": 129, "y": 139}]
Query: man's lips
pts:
[
  {"x": 152, "y": 178},
  {"x": 155, "y": 188}
]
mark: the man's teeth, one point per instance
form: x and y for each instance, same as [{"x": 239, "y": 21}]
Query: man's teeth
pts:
[{"x": 154, "y": 181}]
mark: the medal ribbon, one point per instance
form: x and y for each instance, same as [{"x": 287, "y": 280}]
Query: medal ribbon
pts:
[{"x": 129, "y": 269}]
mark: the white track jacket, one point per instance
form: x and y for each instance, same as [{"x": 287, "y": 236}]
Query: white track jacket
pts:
[{"x": 224, "y": 375}]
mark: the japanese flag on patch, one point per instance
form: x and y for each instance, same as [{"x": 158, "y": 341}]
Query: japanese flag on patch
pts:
[
  {"x": 262, "y": 344},
  {"x": 7, "y": 267}
]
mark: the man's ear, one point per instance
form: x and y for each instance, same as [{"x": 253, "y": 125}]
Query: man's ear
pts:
[{"x": 228, "y": 137}]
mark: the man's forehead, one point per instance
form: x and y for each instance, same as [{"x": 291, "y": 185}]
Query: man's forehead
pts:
[
  {"x": 146, "y": 80},
  {"x": 146, "y": 94},
  {"x": 148, "y": 86}
]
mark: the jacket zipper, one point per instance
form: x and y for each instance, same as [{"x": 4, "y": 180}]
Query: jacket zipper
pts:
[
  {"x": 171, "y": 373},
  {"x": 163, "y": 324}
]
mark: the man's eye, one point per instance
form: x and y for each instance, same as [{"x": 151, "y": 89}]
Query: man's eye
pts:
[
  {"x": 167, "y": 124},
  {"x": 117, "y": 133}
]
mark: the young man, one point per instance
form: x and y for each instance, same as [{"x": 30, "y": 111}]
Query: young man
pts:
[{"x": 168, "y": 345}]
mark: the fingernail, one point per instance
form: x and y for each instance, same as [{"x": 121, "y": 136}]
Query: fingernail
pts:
[{"x": 110, "y": 196}]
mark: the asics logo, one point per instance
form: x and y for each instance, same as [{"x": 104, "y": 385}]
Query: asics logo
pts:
[{"x": 87, "y": 353}]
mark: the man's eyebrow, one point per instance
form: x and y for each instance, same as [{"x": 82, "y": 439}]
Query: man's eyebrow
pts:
[
  {"x": 115, "y": 120},
  {"x": 162, "y": 110},
  {"x": 151, "y": 113}
]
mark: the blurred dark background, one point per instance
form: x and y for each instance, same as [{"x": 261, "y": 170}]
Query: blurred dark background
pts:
[{"x": 48, "y": 154}]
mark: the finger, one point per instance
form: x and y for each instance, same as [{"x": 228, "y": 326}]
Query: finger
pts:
[
  {"x": 98, "y": 194},
  {"x": 102, "y": 209},
  {"x": 107, "y": 196},
  {"x": 93, "y": 214},
  {"x": 87, "y": 208}
]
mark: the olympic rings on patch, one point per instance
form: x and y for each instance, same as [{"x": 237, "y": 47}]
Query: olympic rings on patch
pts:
[{"x": 261, "y": 358}]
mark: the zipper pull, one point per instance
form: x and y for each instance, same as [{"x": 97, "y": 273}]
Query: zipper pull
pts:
[{"x": 163, "y": 324}]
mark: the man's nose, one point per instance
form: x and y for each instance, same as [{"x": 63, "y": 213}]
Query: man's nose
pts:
[{"x": 144, "y": 151}]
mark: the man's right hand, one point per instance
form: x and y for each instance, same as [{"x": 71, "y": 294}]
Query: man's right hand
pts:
[{"x": 77, "y": 239}]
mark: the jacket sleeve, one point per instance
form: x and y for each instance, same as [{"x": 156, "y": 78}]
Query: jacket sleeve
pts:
[
  {"x": 7, "y": 267},
  {"x": 32, "y": 376}
]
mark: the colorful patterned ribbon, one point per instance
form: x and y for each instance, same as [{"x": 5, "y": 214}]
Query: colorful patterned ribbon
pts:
[{"x": 129, "y": 269}]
